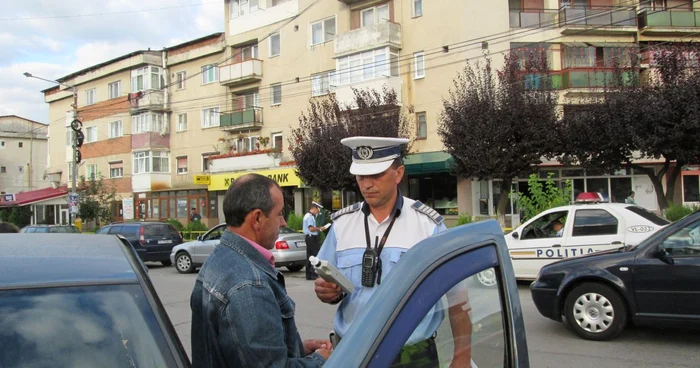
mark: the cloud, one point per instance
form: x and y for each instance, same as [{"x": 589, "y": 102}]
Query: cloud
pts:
[{"x": 52, "y": 44}]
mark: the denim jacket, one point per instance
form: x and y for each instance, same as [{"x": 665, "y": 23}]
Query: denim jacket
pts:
[{"x": 241, "y": 313}]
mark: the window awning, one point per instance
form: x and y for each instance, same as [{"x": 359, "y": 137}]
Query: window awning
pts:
[
  {"x": 575, "y": 44},
  {"x": 427, "y": 163}
]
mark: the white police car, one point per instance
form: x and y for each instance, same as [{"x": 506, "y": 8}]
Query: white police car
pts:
[{"x": 590, "y": 225}]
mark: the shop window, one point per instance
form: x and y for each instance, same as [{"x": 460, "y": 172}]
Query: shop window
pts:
[
  {"x": 438, "y": 191},
  {"x": 691, "y": 188},
  {"x": 620, "y": 189},
  {"x": 484, "y": 198}
]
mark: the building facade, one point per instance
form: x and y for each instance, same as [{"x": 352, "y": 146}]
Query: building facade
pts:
[
  {"x": 171, "y": 129},
  {"x": 23, "y": 150}
]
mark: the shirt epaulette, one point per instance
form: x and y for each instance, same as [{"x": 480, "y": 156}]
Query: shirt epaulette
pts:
[
  {"x": 424, "y": 209},
  {"x": 349, "y": 209}
]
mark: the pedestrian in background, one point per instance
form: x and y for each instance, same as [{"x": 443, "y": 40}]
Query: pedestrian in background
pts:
[
  {"x": 241, "y": 313},
  {"x": 630, "y": 199},
  {"x": 311, "y": 236}
]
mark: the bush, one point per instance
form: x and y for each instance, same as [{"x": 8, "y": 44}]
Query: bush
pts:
[
  {"x": 464, "y": 218},
  {"x": 196, "y": 226},
  {"x": 20, "y": 216},
  {"x": 176, "y": 223},
  {"x": 675, "y": 212},
  {"x": 5, "y": 214},
  {"x": 543, "y": 197},
  {"x": 295, "y": 222}
]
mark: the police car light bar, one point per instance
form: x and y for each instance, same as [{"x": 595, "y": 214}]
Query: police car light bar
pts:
[{"x": 591, "y": 197}]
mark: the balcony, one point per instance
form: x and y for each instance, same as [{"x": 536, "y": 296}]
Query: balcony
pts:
[
  {"x": 532, "y": 18},
  {"x": 151, "y": 100},
  {"x": 367, "y": 38},
  {"x": 594, "y": 78},
  {"x": 249, "y": 71},
  {"x": 601, "y": 20},
  {"x": 665, "y": 22},
  {"x": 246, "y": 119}
]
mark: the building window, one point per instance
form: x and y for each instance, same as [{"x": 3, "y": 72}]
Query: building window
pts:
[
  {"x": 91, "y": 134},
  {"x": 323, "y": 31},
  {"x": 276, "y": 140},
  {"x": 239, "y": 8},
  {"x": 419, "y": 62},
  {"x": 115, "y": 89},
  {"x": 69, "y": 136},
  {"x": 181, "y": 78},
  {"x": 249, "y": 53},
  {"x": 20, "y": 168},
  {"x": 147, "y": 122},
  {"x": 146, "y": 78},
  {"x": 151, "y": 162},
  {"x": 320, "y": 83},
  {"x": 206, "y": 160},
  {"x": 276, "y": 91},
  {"x": 116, "y": 129},
  {"x": 438, "y": 191},
  {"x": 91, "y": 172},
  {"x": 2, "y": 144},
  {"x": 375, "y": 15},
  {"x": 210, "y": 117},
  {"x": 421, "y": 125},
  {"x": 20, "y": 144},
  {"x": 181, "y": 122},
  {"x": 3, "y": 169},
  {"x": 367, "y": 65},
  {"x": 210, "y": 74},
  {"x": 275, "y": 45},
  {"x": 90, "y": 96},
  {"x": 116, "y": 169},
  {"x": 417, "y": 8},
  {"x": 182, "y": 165}
]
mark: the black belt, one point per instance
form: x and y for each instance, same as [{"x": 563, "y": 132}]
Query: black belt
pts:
[{"x": 310, "y": 235}]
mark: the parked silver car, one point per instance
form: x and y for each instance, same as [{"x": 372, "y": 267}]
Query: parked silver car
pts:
[{"x": 289, "y": 251}]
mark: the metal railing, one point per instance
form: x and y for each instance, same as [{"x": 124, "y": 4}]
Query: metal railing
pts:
[
  {"x": 600, "y": 16},
  {"x": 246, "y": 116},
  {"x": 533, "y": 18},
  {"x": 669, "y": 19}
]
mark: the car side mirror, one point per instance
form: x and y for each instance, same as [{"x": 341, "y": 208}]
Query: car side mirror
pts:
[
  {"x": 515, "y": 235},
  {"x": 663, "y": 255},
  {"x": 200, "y": 237}
]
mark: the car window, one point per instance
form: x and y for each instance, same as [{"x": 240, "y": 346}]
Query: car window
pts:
[
  {"x": 41, "y": 230},
  {"x": 107, "y": 326},
  {"x": 286, "y": 230},
  {"x": 29, "y": 230},
  {"x": 594, "y": 222},
  {"x": 103, "y": 230},
  {"x": 116, "y": 230},
  {"x": 648, "y": 215},
  {"x": 215, "y": 234},
  {"x": 166, "y": 230},
  {"x": 543, "y": 227},
  {"x": 684, "y": 242},
  {"x": 130, "y": 232},
  {"x": 63, "y": 229}
]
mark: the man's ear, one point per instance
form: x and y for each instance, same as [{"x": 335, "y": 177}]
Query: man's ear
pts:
[{"x": 399, "y": 174}]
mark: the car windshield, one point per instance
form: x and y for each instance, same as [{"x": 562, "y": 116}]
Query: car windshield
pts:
[
  {"x": 655, "y": 219},
  {"x": 94, "y": 326},
  {"x": 165, "y": 230},
  {"x": 64, "y": 229},
  {"x": 286, "y": 230}
]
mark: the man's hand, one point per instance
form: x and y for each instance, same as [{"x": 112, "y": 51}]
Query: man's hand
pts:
[
  {"x": 322, "y": 347},
  {"x": 325, "y": 291},
  {"x": 462, "y": 358}
]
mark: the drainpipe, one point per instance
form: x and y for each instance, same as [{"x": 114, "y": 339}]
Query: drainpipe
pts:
[
  {"x": 166, "y": 90},
  {"x": 30, "y": 165}
]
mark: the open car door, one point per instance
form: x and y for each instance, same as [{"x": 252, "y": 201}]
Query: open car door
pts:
[{"x": 437, "y": 281}]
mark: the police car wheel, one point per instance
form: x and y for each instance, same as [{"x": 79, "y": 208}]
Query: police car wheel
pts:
[
  {"x": 183, "y": 263},
  {"x": 487, "y": 278},
  {"x": 595, "y": 312}
]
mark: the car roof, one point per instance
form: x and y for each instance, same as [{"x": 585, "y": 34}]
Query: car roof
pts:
[
  {"x": 50, "y": 259},
  {"x": 56, "y": 225},
  {"x": 138, "y": 223}
]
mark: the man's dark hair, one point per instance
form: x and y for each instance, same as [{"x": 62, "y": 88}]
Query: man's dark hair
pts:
[
  {"x": 632, "y": 192},
  {"x": 397, "y": 163},
  {"x": 248, "y": 193},
  {"x": 194, "y": 209},
  {"x": 6, "y": 227}
]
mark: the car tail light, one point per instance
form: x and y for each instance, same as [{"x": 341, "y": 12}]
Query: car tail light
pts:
[
  {"x": 142, "y": 239},
  {"x": 281, "y": 244}
]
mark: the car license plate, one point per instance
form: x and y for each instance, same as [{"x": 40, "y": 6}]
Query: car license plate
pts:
[
  {"x": 301, "y": 244},
  {"x": 165, "y": 241}
]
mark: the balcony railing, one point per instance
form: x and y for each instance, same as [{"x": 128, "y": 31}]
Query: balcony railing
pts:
[
  {"x": 595, "y": 78},
  {"x": 241, "y": 73},
  {"x": 533, "y": 18},
  {"x": 669, "y": 19},
  {"x": 249, "y": 118},
  {"x": 600, "y": 16},
  {"x": 370, "y": 37}
]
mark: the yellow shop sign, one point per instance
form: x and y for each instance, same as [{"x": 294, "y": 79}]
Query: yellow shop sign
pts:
[
  {"x": 201, "y": 179},
  {"x": 283, "y": 177}
]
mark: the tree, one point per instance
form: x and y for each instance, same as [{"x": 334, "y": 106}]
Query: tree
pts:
[
  {"x": 315, "y": 145},
  {"x": 95, "y": 200},
  {"x": 21, "y": 216},
  {"x": 500, "y": 125},
  {"x": 637, "y": 119}
]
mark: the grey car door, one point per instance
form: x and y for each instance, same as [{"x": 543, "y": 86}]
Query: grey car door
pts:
[
  {"x": 436, "y": 281},
  {"x": 206, "y": 246}
]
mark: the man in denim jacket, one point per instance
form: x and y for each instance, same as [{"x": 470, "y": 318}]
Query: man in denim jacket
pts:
[{"x": 241, "y": 314}]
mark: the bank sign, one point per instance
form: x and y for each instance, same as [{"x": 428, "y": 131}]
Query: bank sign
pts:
[{"x": 283, "y": 177}]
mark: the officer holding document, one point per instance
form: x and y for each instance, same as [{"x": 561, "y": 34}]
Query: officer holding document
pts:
[{"x": 368, "y": 238}]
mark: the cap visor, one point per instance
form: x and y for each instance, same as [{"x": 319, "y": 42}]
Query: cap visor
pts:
[{"x": 370, "y": 169}]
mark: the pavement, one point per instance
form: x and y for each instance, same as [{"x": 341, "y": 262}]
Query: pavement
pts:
[{"x": 550, "y": 344}]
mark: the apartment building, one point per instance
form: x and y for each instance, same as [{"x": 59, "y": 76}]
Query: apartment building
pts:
[
  {"x": 173, "y": 128},
  {"x": 23, "y": 147}
]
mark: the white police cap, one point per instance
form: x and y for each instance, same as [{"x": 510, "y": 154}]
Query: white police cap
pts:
[
  {"x": 316, "y": 204},
  {"x": 373, "y": 155}
]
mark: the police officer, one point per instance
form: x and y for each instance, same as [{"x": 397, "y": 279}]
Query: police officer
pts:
[
  {"x": 311, "y": 234},
  {"x": 368, "y": 238}
]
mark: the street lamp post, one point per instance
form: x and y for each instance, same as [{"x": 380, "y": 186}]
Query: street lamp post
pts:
[{"x": 74, "y": 169}]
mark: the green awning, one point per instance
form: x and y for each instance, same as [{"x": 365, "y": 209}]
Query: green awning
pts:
[{"x": 427, "y": 163}]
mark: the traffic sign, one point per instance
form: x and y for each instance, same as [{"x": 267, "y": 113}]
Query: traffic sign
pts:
[{"x": 202, "y": 179}]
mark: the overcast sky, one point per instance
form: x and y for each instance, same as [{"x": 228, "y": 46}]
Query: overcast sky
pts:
[{"x": 51, "y": 38}]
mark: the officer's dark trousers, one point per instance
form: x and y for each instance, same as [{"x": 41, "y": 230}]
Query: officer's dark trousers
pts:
[{"x": 312, "y": 248}]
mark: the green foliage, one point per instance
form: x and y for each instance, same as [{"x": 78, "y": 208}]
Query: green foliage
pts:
[
  {"x": 543, "y": 196},
  {"x": 464, "y": 218},
  {"x": 295, "y": 222},
  {"x": 5, "y": 214},
  {"x": 95, "y": 200},
  {"x": 176, "y": 223},
  {"x": 676, "y": 212},
  {"x": 21, "y": 216},
  {"x": 196, "y": 226}
]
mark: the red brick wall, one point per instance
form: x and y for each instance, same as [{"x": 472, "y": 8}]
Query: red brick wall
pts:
[
  {"x": 150, "y": 140},
  {"x": 107, "y": 147},
  {"x": 103, "y": 109},
  {"x": 197, "y": 45},
  {"x": 121, "y": 185}
]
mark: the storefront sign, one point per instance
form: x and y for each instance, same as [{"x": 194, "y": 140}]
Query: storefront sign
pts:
[
  {"x": 283, "y": 177},
  {"x": 128, "y": 208},
  {"x": 9, "y": 197},
  {"x": 202, "y": 179}
]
